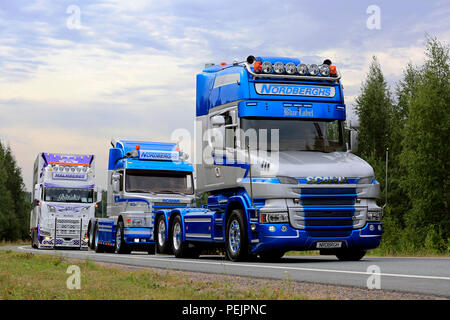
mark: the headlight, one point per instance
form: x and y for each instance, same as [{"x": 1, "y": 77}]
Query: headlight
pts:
[
  {"x": 313, "y": 69},
  {"x": 51, "y": 209},
  {"x": 375, "y": 215},
  {"x": 266, "y": 67},
  {"x": 134, "y": 222},
  {"x": 365, "y": 180},
  {"x": 274, "y": 217},
  {"x": 302, "y": 69},
  {"x": 287, "y": 180},
  {"x": 324, "y": 70},
  {"x": 278, "y": 67},
  {"x": 290, "y": 68}
]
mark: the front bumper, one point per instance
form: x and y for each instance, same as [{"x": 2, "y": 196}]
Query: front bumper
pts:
[
  {"x": 138, "y": 236},
  {"x": 282, "y": 237}
]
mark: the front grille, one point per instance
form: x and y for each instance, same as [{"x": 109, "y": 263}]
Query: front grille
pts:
[
  {"x": 169, "y": 205},
  {"x": 325, "y": 212}
]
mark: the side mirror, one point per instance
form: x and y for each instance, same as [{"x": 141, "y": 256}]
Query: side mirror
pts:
[
  {"x": 116, "y": 182},
  {"x": 217, "y": 121},
  {"x": 37, "y": 192},
  {"x": 353, "y": 143},
  {"x": 99, "y": 195}
]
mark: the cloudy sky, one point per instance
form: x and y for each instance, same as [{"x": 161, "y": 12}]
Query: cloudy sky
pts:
[{"x": 74, "y": 74}]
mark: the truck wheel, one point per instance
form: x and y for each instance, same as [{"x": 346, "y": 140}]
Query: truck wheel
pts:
[
  {"x": 91, "y": 237},
  {"x": 162, "y": 242},
  {"x": 180, "y": 248},
  {"x": 33, "y": 239},
  {"x": 351, "y": 255},
  {"x": 97, "y": 247},
  {"x": 121, "y": 246},
  {"x": 271, "y": 256},
  {"x": 236, "y": 237}
]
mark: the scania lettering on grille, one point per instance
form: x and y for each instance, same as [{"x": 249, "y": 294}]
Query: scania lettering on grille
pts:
[
  {"x": 295, "y": 90},
  {"x": 327, "y": 180}
]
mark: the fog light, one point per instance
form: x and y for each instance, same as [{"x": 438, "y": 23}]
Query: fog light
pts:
[
  {"x": 379, "y": 227},
  {"x": 372, "y": 227},
  {"x": 136, "y": 240}
]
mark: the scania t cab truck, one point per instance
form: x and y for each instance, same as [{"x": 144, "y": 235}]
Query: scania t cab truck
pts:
[
  {"x": 143, "y": 177},
  {"x": 271, "y": 152},
  {"x": 63, "y": 200}
]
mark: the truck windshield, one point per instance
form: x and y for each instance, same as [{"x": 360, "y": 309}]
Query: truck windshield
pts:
[
  {"x": 76, "y": 195},
  {"x": 297, "y": 134},
  {"x": 158, "y": 181}
]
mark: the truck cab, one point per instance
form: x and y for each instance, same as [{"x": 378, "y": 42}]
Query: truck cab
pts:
[
  {"x": 272, "y": 154},
  {"x": 142, "y": 177},
  {"x": 64, "y": 200}
]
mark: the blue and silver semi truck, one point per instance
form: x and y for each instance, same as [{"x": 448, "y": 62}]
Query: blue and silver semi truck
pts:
[
  {"x": 142, "y": 177},
  {"x": 271, "y": 153}
]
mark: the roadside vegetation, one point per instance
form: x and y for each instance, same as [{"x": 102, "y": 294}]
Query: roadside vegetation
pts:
[
  {"x": 414, "y": 123},
  {"x": 25, "y": 276}
]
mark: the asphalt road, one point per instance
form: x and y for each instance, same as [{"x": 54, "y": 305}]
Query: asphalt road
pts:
[{"x": 415, "y": 275}]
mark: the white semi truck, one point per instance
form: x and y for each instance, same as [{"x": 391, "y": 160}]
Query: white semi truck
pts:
[{"x": 64, "y": 200}]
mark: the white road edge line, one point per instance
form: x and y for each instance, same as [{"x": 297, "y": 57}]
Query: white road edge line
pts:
[{"x": 265, "y": 266}]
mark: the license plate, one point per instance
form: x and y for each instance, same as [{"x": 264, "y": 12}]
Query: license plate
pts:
[{"x": 328, "y": 244}]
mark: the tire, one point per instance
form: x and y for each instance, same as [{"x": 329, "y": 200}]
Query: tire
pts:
[
  {"x": 180, "y": 248},
  {"x": 236, "y": 237},
  {"x": 97, "y": 247},
  {"x": 271, "y": 256},
  {"x": 162, "y": 242},
  {"x": 91, "y": 237},
  {"x": 34, "y": 239},
  {"x": 121, "y": 246},
  {"x": 151, "y": 249},
  {"x": 351, "y": 255}
]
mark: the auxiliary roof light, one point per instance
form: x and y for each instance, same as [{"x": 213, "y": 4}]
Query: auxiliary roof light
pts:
[
  {"x": 313, "y": 69},
  {"x": 324, "y": 70},
  {"x": 302, "y": 69},
  {"x": 266, "y": 67},
  {"x": 290, "y": 68},
  {"x": 333, "y": 71},
  {"x": 278, "y": 67}
]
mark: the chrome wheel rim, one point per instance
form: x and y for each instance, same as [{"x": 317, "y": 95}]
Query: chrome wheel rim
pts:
[
  {"x": 234, "y": 236},
  {"x": 118, "y": 238},
  {"x": 176, "y": 236},
  {"x": 161, "y": 232},
  {"x": 96, "y": 237}
]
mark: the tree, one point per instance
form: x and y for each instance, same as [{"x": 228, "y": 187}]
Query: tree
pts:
[
  {"x": 14, "y": 207},
  {"x": 374, "y": 107},
  {"x": 425, "y": 153}
]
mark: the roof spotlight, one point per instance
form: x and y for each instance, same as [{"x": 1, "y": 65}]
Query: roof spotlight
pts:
[
  {"x": 278, "y": 67},
  {"x": 313, "y": 69},
  {"x": 324, "y": 70},
  {"x": 290, "y": 68},
  {"x": 302, "y": 69},
  {"x": 266, "y": 67}
]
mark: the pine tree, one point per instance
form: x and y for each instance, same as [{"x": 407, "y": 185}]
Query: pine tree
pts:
[
  {"x": 425, "y": 154},
  {"x": 374, "y": 107}
]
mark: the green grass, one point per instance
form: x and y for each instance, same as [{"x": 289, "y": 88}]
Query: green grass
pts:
[{"x": 30, "y": 276}]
